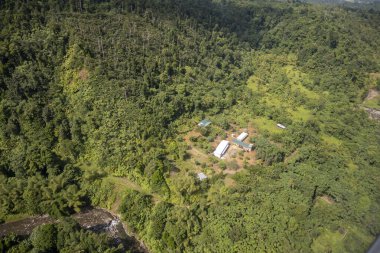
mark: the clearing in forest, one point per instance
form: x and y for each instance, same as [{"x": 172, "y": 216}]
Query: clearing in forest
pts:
[
  {"x": 202, "y": 143},
  {"x": 373, "y": 99}
]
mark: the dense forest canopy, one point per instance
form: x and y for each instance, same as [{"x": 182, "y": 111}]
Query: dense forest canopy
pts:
[
  {"x": 99, "y": 105},
  {"x": 343, "y": 1}
]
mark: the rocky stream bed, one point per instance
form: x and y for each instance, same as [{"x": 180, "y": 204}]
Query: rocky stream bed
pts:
[{"x": 96, "y": 219}]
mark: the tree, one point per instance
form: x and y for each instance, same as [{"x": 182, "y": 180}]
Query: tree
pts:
[{"x": 44, "y": 238}]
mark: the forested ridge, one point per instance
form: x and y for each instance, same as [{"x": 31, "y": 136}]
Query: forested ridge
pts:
[{"x": 99, "y": 106}]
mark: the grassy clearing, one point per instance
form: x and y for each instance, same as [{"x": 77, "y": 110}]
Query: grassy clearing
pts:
[
  {"x": 264, "y": 124},
  {"x": 297, "y": 79},
  {"x": 331, "y": 140},
  {"x": 373, "y": 103},
  {"x": 256, "y": 84},
  {"x": 281, "y": 101},
  {"x": 123, "y": 184},
  {"x": 300, "y": 114},
  {"x": 274, "y": 101},
  {"x": 305, "y": 91}
]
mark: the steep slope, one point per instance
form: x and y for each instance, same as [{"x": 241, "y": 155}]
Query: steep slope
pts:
[{"x": 99, "y": 102}]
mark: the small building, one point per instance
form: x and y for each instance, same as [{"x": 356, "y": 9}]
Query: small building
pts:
[
  {"x": 204, "y": 123},
  {"x": 221, "y": 149},
  {"x": 242, "y": 136},
  {"x": 201, "y": 176},
  {"x": 281, "y": 126},
  {"x": 243, "y": 145}
]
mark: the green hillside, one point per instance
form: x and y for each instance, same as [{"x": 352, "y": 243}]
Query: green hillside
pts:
[{"x": 99, "y": 106}]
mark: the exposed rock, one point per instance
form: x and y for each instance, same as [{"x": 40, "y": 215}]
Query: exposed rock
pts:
[
  {"x": 96, "y": 220},
  {"x": 373, "y": 114}
]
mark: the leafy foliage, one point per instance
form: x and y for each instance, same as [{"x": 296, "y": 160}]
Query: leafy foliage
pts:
[
  {"x": 93, "y": 90},
  {"x": 66, "y": 236}
]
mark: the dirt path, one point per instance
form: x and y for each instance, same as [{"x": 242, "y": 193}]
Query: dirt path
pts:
[{"x": 196, "y": 153}]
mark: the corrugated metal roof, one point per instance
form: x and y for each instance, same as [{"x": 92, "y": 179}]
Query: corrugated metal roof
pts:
[
  {"x": 242, "y": 144},
  {"x": 204, "y": 123},
  {"x": 242, "y": 136},
  {"x": 222, "y": 148}
]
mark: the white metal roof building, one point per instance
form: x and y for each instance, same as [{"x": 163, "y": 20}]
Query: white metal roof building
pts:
[
  {"x": 221, "y": 149},
  {"x": 242, "y": 136},
  {"x": 201, "y": 176},
  {"x": 204, "y": 123},
  {"x": 281, "y": 126}
]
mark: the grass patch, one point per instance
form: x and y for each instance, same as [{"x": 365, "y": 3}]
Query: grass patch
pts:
[
  {"x": 123, "y": 183},
  {"x": 297, "y": 79},
  {"x": 16, "y": 217},
  {"x": 352, "y": 166},
  {"x": 256, "y": 84},
  {"x": 273, "y": 101},
  {"x": 305, "y": 91},
  {"x": 329, "y": 241},
  {"x": 264, "y": 124},
  {"x": 331, "y": 140},
  {"x": 300, "y": 114},
  {"x": 373, "y": 103}
]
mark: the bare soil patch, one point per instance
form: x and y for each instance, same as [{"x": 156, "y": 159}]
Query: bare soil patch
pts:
[
  {"x": 372, "y": 93},
  {"x": 327, "y": 199},
  {"x": 374, "y": 75},
  {"x": 83, "y": 74}
]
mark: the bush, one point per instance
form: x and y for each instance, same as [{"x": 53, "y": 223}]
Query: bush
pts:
[
  {"x": 44, "y": 238},
  {"x": 135, "y": 209},
  {"x": 233, "y": 165},
  {"x": 268, "y": 152}
]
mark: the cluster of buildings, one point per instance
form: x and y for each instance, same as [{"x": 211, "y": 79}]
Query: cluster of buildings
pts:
[
  {"x": 239, "y": 142},
  {"x": 223, "y": 146}
]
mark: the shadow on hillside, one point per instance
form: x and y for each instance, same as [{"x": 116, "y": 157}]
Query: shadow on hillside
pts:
[{"x": 248, "y": 21}]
